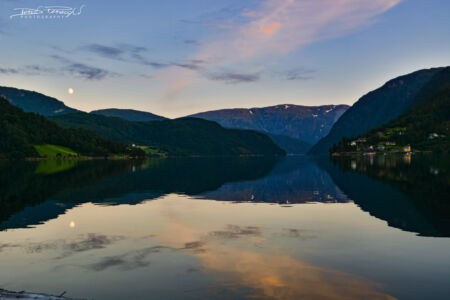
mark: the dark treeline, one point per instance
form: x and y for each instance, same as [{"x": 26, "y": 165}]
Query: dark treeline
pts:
[
  {"x": 20, "y": 131},
  {"x": 179, "y": 137}
]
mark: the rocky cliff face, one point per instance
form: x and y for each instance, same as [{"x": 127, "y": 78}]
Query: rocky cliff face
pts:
[{"x": 306, "y": 123}]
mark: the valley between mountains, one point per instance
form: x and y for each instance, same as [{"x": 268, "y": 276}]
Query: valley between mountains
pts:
[{"x": 386, "y": 119}]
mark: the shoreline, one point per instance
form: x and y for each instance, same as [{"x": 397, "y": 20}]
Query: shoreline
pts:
[
  {"x": 334, "y": 154},
  {"x": 9, "y": 295},
  {"x": 85, "y": 158}
]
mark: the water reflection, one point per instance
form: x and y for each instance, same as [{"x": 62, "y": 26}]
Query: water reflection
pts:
[
  {"x": 239, "y": 260},
  {"x": 293, "y": 180},
  {"x": 404, "y": 190},
  {"x": 408, "y": 193},
  {"x": 237, "y": 228}
]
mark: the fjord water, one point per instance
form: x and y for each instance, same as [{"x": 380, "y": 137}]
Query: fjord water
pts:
[{"x": 374, "y": 227}]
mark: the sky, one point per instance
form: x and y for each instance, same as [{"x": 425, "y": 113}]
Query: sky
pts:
[{"x": 178, "y": 57}]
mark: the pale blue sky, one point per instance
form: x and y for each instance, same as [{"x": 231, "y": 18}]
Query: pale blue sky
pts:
[{"x": 179, "y": 57}]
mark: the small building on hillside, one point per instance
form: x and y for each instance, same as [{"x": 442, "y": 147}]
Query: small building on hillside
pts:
[
  {"x": 433, "y": 135},
  {"x": 381, "y": 148},
  {"x": 368, "y": 148},
  {"x": 407, "y": 148}
]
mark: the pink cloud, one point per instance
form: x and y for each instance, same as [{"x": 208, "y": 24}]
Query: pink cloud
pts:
[
  {"x": 271, "y": 28},
  {"x": 278, "y": 27}
]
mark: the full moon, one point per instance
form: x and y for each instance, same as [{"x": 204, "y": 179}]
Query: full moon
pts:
[{"x": 70, "y": 91}]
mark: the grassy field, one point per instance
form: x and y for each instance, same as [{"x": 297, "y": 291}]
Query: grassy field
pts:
[
  {"x": 153, "y": 151},
  {"x": 54, "y": 151}
]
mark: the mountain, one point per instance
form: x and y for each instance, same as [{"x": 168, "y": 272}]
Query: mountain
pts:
[
  {"x": 425, "y": 126},
  {"x": 179, "y": 137},
  {"x": 35, "y": 102},
  {"x": 305, "y": 123},
  {"x": 376, "y": 108},
  {"x": 128, "y": 114},
  {"x": 290, "y": 145},
  {"x": 21, "y": 132}
]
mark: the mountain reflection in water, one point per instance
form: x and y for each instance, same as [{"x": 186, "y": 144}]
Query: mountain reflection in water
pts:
[
  {"x": 227, "y": 228},
  {"x": 407, "y": 193}
]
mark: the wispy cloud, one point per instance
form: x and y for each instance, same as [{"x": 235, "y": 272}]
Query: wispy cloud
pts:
[
  {"x": 87, "y": 72},
  {"x": 136, "y": 54},
  {"x": 105, "y": 51},
  {"x": 271, "y": 28},
  {"x": 82, "y": 70},
  {"x": 280, "y": 26},
  {"x": 64, "y": 66},
  {"x": 195, "y": 64},
  {"x": 296, "y": 74},
  {"x": 233, "y": 78},
  {"x": 275, "y": 28},
  {"x": 27, "y": 70},
  {"x": 192, "y": 42},
  {"x": 223, "y": 18},
  {"x": 7, "y": 71}
]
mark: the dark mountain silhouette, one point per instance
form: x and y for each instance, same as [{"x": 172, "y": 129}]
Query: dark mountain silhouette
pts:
[
  {"x": 35, "y": 102},
  {"x": 21, "y": 131},
  {"x": 128, "y": 114},
  {"x": 179, "y": 137},
  {"x": 424, "y": 126},
  {"x": 376, "y": 108},
  {"x": 305, "y": 123}
]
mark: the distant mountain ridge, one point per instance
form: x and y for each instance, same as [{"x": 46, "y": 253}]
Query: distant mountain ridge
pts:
[
  {"x": 128, "y": 114},
  {"x": 30, "y": 101},
  {"x": 376, "y": 108},
  {"x": 294, "y": 128},
  {"x": 305, "y": 123}
]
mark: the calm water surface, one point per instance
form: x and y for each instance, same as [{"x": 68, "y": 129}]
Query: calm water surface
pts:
[{"x": 292, "y": 228}]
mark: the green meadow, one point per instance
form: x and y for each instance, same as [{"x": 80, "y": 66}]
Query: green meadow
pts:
[{"x": 54, "y": 151}]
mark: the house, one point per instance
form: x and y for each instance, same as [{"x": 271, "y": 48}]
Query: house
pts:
[
  {"x": 381, "y": 148},
  {"x": 353, "y": 143},
  {"x": 407, "y": 148},
  {"x": 391, "y": 143},
  {"x": 361, "y": 140},
  {"x": 433, "y": 135}
]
